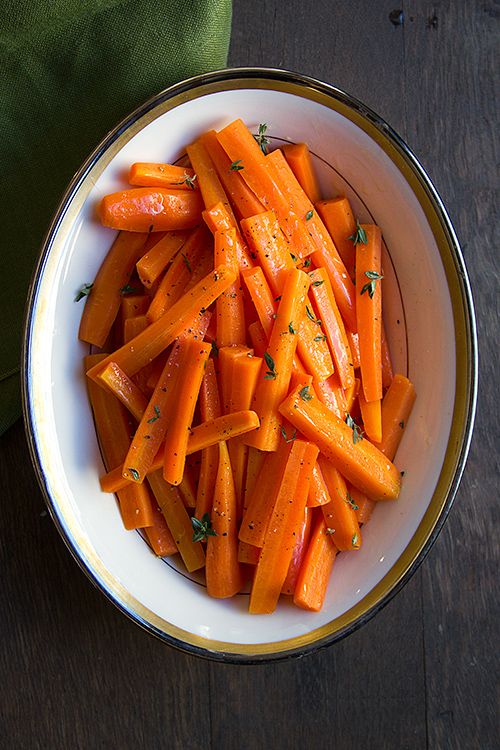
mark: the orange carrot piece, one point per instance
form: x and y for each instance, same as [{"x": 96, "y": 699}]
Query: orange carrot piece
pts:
[
  {"x": 258, "y": 338},
  {"x": 243, "y": 200},
  {"x": 302, "y": 535},
  {"x": 186, "y": 392},
  {"x": 178, "y": 521},
  {"x": 226, "y": 359},
  {"x": 361, "y": 505},
  {"x": 396, "y": 409},
  {"x": 210, "y": 408},
  {"x": 223, "y": 570},
  {"x": 299, "y": 378},
  {"x": 149, "y": 174},
  {"x": 210, "y": 186},
  {"x": 276, "y": 371},
  {"x": 125, "y": 390},
  {"x": 140, "y": 351},
  {"x": 332, "y": 325},
  {"x": 387, "y": 371},
  {"x": 218, "y": 219},
  {"x": 261, "y": 296},
  {"x": 338, "y": 513},
  {"x": 202, "y": 268},
  {"x": 254, "y": 465},
  {"x": 351, "y": 395},
  {"x": 318, "y": 491},
  {"x": 113, "y": 431},
  {"x": 269, "y": 246},
  {"x": 158, "y": 534},
  {"x": 353, "y": 340},
  {"x": 314, "y": 575},
  {"x": 339, "y": 219},
  {"x": 149, "y": 209},
  {"x": 299, "y": 160},
  {"x": 103, "y": 302},
  {"x": 248, "y": 554},
  {"x": 229, "y": 307},
  {"x": 371, "y": 414},
  {"x": 154, "y": 261},
  {"x": 313, "y": 348},
  {"x": 133, "y": 326},
  {"x": 361, "y": 462},
  {"x": 132, "y": 305},
  {"x": 331, "y": 394},
  {"x": 287, "y": 512},
  {"x": 369, "y": 311}
]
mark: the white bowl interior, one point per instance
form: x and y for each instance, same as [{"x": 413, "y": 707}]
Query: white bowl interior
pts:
[{"x": 64, "y": 429}]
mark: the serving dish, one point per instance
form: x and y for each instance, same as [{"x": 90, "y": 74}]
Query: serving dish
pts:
[{"x": 431, "y": 329}]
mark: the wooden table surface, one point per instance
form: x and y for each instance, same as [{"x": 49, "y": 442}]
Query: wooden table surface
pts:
[{"x": 75, "y": 673}]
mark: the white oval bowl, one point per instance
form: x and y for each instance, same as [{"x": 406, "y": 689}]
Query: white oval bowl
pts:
[{"x": 430, "y": 321}]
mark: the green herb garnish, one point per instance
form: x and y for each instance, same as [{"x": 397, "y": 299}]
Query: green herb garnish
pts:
[
  {"x": 355, "y": 540},
  {"x": 84, "y": 291},
  {"x": 271, "y": 372},
  {"x": 309, "y": 215},
  {"x": 127, "y": 289},
  {"x": 359, "y": 237},
  {"x": 357, "y": 432},
  {"x": 294, "y": 257},
  {"x": 202, "y": 529},
  {"x": 291, "y": 328},
  {"x": 156, "y": 416},
  {"x": 318, "y": 283},
  {"x": 288, "y": 439},
  {"x": 188, "y": 180},
  {"x": 186, "y": 262},
  {"x": 351, "y": 502},
  {"x": 215, "y": 349},
  {"x": 304, "y": 393},
  {"x": 261, "y": 138},
  {"x": 312, "y": 317},
  {"x": 236, "y": 166},
  {"x": 307, "y": 263},
  {"x": 370, "y": 287},
  {"x": 321, "y": 337},
  {"x": 135, "y": 474}
]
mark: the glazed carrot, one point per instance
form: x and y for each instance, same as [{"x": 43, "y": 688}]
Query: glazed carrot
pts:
[
  {"x": 353, "y": 340},
  {"x": 339, "y": 219},
  {"x": 351, "y": 395},
  {"x": 187, "y": 488},
  {"x": 147, "y": 345},
  {"x": 113, "y": 430},
  {"x": 369, "y": 311},
  {"x": 210, "y": 408},
  {"x": 154, "y": 261},
  {"x": 299, "y": 161},
  {"x": 248, "y": 554},
  {"x": 125, "y": 390},
  {"x": 331, "y": 394},
  {"x": 316, "y": 569},
  {"x": 178, "y": 275},
  {"x": 269, "y": 246},
  {"x": 318, "y": 491},
  {"x": 132, "y": 305},
  {"x": 254, "y": 465},
  {"x": 229, "y": 307},
  {"x": 226, "y": 359},
  {"x": 371, "y": 415},
  {"x": 396, "y": 409},
  {"x": 210, "y": 186},
  {"x": 186, "y": 392},
  {"x": 261, "y": 296},
  {"x": 243, "y": 200},
  {"x": 103, "y": 302},
  {"x": 277, "y": 550},
  {"x": 360, "y": 504},
  {"x": 133, "y": 326},
  {"x": 361, "y": 462},
  {"x": 275, "y": 376},
  {"x": 218, "y": 219},
  {"x": 149, "y": 209},
  {"x": 339, "y": 514},
  {"x": 178, "y": 521},
  {"x": 387, "y": 371},
  {"x": 202, "y": 268},
  {"x": 150, "y": 174},
  {"x": 325, "y": 254},
  {"x": 299, "y": 378},
  {"x": 158, "y": 534},
  {"x": 223, "y": 570},
  {"x": 258, "y": 338},
  {"x": 302, "y": 535},
  {"x": 261, "y": 500},
  {"x": 332, "y": 325}
]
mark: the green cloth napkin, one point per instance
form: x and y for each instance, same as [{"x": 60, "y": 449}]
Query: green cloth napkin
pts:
[{"x": 71, "y": 69}]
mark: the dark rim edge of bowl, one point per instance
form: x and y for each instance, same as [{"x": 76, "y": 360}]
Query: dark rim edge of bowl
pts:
[{"x": 470, "y": 323}]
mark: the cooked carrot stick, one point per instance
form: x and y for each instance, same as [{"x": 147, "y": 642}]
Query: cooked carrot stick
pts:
[
  {"x": 299, "y": 378},
  {"x": 299, "y": 160},
  {"x": 332, "y": 325},
  {"x": 339, "y": 514},
  {"x": 318, "y": 491},
  {"x": 226, "y": 359},
  {"x": 248, "y": 554},
  {"x": 134, "y": 326},
  {"x": 223, "y": 570},
  {"x": 125, "y": 390},
  {"x": 275, "y": 375},
  {"x": 387, "y": 371},
  {"x": 113, "y": 431},
  {"x": 369, "y": 310},
  {"x": 302, "y": 535},
  {"x": 258, "y": 338},
  {"x": 371, "y": 415},
  {"x": 243, "y": 200},
  {"x": 269, "y": 246},
  {"x": 210, "y": 186},
  {"x": 339, "y": 219},
  {"x": 103, "y": 302},
  {"x": 316, "y": 569},
  {"x": 132, "y": 305},
  {"x": 353, "y": 340},
  {"x": 149, "y": 174},
  {"x": 361, "y": 505},
  {"x": 261, "y": 296},
  {"x": 360, "y": 462},
  {"x": 178, "y": 521},
  {"x": 287, "y": 512},
  {"x": 137, "y": 353},
  {"x": 202, "y": 436},
  {"x": 154, "y": 262},
  {"x": 396, "y": 409},
  {"x": 186, "y": 392},
  {"x": 149, "y": 209},
  {"x": 218, "y": 219},
  {"x": 158, "y": 534},
  {"x": 202, "y": 268},
  {"x": 229, "y": 307},
  {"x": 331, "y": 394},
  {"x": 254, "y": 465},
  {"x": 351, "y": 395},
  {"x": 210, "y": 408}
]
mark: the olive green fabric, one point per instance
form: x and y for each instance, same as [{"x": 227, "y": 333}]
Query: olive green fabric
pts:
[{"x": 70, "y": 70}]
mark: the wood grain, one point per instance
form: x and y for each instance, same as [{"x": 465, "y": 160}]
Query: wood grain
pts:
[{"x": 76, "y": 673}]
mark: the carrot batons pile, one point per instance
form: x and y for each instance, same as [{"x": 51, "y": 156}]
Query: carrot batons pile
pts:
[{"x": 243, "y": 393}]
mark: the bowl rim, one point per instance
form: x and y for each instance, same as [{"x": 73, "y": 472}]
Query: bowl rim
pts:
[{"x": 463, "y": 312}]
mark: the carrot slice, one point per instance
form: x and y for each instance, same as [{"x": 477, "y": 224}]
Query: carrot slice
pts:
[
  {"x": 229, "y": 307},
  {"x": 227, "y": 356},
  {"x": 178, "y": 521},
  {"x": 218, "y": 219},
  {"x": 150, "y": 174},
  {"x": 149, "y": 209},
  {"x": 258, "y": 338},
  {"x": 318, "y": 491},
  {"x": 353, "y": 340},
  {"x": 369, "y": 311},
  {"x": 331, "y": 394},
  {"x": 371, "y": 414},
  {"x": 339, "y": 219},
  {"x": 158, "y": 534},
  {"x": 138, "y": 352},
  {"x": 132, "y": 305},
  {"x": 125, "y": 390},
  {"x": 351, "y": 395},
  {"x": 254, "y": 465},
  {"x": 153, "y": 263},
  {"x": 103, "y": 302},
  {"x": 361, "y": 462},
  {"x": 223, "y": 570},
  {"x": 396, "y": 409},
  {"x": 248, "y": 554},
  {"x": 211, "y": 187},
  {"x": 338, "y": 513},
  {"x": 287, "y": 513},
  {"x": 298, "y": 157},
  {"x": 210, "y": 408},
  {"x": 187, "y": 488},
  {"x": 186, "y": 392},
  {"x": 302, "y": 535},
  {"x": 269, "y": 246},
  {"x": 387, "y": 370},
  {"x": 361, "y": 505},
  {"x": 315, "y": 573}
]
